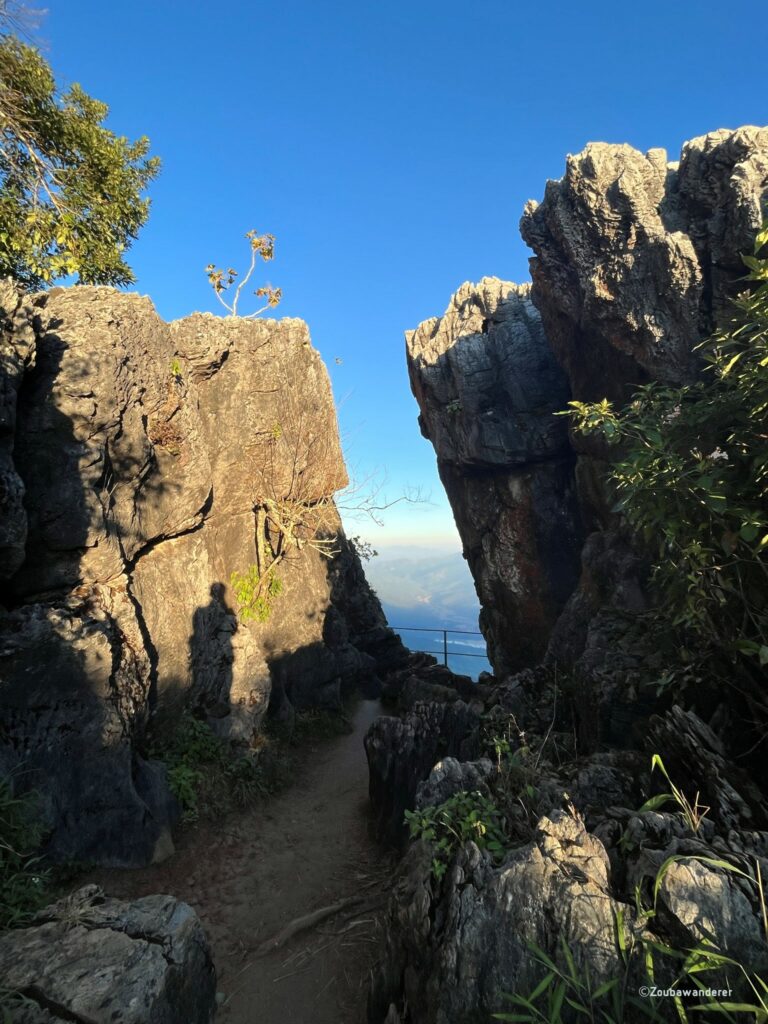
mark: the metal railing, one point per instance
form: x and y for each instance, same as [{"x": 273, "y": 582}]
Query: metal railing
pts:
[{"x": 445, "y": 632}]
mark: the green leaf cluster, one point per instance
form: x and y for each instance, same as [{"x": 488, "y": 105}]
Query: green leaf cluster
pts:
[
  {"x": 467, "y": 815},
  {"x": 691, "y": 478},
  {"x": 70, "y": 189},
  {"x": 567, "y": 992},
  {"x": 256, "y": 592}
]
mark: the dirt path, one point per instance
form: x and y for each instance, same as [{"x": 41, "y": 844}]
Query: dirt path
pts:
[{"x": 304, "y": 849}]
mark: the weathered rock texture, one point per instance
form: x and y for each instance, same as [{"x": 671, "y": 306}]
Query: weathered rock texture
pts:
[
  {"x": 454, "y": 951},
  {"x": 635, "y": 257},
  {"x": 96, "y": 960},
  {"x": 488, "y": 386},
  {"x": 402, "y": 751},
  {"x": 635, "y": 260},
  {"x": 142, "y": 450}
]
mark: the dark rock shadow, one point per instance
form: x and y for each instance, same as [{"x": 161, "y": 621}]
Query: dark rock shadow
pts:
[{"x": 74, "y": 686}]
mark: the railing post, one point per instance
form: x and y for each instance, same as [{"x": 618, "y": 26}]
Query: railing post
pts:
[{"x": 445, "y": 647}]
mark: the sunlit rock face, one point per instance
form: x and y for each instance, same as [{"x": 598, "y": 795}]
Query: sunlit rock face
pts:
[
  {"x": 635, "y": 257},
  {"x": 635, "y": 262},
  {"x": 488, "y": 388},
  {"x": 141, "y": 450}
]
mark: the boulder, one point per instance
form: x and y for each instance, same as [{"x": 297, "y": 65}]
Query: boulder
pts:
[
  {"x": 455, "y": 948},
  {"x": 97, "y": 960},
  {"x": 449, "y": 777}
]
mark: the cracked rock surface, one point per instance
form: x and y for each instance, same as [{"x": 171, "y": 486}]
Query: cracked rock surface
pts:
[{"x": 90, "y": 959}]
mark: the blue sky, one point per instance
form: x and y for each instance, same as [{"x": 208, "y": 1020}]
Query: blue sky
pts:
[{"x": 390, "y": 148}]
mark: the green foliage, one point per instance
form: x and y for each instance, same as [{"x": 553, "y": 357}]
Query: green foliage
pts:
[
  {"x": 70, "y": 189},
  {"x": 24, "y": 883},
  {"x": 464, "y": 816},
  {"x": 692, "y": 480},
  {"x": 176, "y": 368},
  {"x": 571, "y": 990},
  {"x": 256, "y": 593},
  {"x": 204, "y": 774},
  {"x": 222, "y": 280}
]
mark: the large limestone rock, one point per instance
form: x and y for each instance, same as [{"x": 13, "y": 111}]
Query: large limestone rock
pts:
[
  {"x": 142, "y": 451},
  {"x": 635, "y": 258},
  {"x": 454, "y": 949},
  {"x": 17, "y": 346},
  {"x": 90, "y": 958},
  {"x": 488, "y": 386}
]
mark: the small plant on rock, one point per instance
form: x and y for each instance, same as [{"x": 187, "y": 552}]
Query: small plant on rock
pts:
[
  {"x": 692, "y": 813},
  {"x": 222, "y": 280},
  {"x": 464, "y": 816},
  {"x": 256, "y": 592}
]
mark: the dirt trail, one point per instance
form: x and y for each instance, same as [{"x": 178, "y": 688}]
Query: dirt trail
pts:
[{"x": 304, "y": 849}]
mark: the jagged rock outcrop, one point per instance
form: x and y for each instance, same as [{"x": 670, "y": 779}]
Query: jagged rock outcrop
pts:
[
  {"x": 579, "y": 859},
  {"x": 456, "y": 947},
  {"x": 635, "y": 258},
  {"x": 90, "y": 958},
  {"x": 401, "y": 753},
  {"x": 143, "y": 451},
  {"x": 488, "y": 386}
]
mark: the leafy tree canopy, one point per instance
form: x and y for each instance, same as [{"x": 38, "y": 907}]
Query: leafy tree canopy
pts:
[{"x": 70, "y": 189}]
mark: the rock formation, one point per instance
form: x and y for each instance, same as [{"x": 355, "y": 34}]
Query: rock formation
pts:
[
  {"x": 89, "y": 958},
  {"x": 488, "y": 387},
  {"x": 635, "y": 260},
  {"x": 134, "y": 458}
]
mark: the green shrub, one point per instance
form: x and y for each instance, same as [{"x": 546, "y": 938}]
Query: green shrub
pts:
[
  {"x": 24, "y": 882},
  {"x": 204, "y": 774},
  {"x": 691, "y": 479},
  {"x": 256, "y": 593},
  {"x": 446, "y": 827},
  {"x": 645, "y": 959}
]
